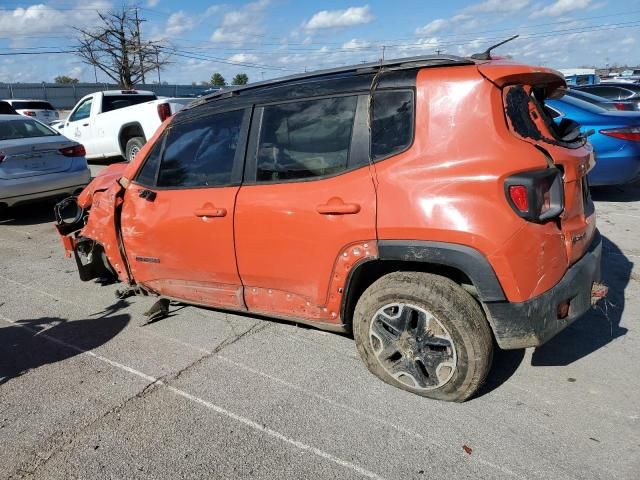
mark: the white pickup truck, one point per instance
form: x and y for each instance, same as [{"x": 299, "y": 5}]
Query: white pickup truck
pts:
[{"x": 118, "y": 122}]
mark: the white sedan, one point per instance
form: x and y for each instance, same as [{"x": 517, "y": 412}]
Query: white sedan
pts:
[{"x": 37, "y": 162}]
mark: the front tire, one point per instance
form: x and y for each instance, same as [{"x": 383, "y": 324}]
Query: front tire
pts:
[
  {"x": 134, "y": 145},
  {"x": 423, "y": 333}
]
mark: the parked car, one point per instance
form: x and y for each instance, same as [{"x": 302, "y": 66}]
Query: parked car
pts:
[
  {"x": 624, "y": 105},
  {"x": 616, "y": 91},
  {"x": 38, "y": 109},
  {"x": 7, "y": 109},
  {"x": 355, "y": 199},
  {"x": 36, "y": 162},
  {"x": 615, "y": 138},
  {"x": 118, "y": 122}
]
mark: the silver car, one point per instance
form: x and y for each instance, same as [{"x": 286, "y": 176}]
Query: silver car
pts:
[{"x": 36, "y": 162}]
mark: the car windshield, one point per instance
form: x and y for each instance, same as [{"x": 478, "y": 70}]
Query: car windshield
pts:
[{"x": 24, "y": 128}]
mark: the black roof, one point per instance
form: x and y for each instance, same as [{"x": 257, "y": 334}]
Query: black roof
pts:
[{"x": 362, "y": 68}]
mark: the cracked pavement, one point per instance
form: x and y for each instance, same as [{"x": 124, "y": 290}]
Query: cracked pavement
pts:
[{"x": 89, "y": 390}]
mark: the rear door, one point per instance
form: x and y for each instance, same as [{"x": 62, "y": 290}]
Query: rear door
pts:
[
  {"x": 177, "y": 216},
  {"x": 306, "y": 211}
]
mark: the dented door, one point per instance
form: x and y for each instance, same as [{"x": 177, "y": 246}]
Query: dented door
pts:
[{"x": 177, "y": 220}]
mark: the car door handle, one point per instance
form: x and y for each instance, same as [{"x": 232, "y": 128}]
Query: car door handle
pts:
[
  {"x": 85, "y": 124},
  {"x": 148, "y": 195},
  {"x": 210, "y": 211},
  {"x": 336, "y": 206}
]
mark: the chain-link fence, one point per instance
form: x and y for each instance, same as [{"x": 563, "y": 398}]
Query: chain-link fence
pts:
[{"x": 66, "y": 96}]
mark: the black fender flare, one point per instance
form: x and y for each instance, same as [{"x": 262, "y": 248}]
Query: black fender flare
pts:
[{"x": 461, "y": 257}]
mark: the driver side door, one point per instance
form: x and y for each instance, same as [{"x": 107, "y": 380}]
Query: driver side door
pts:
[
  {"x": 78, "y": 125},
  {"x": 178, "y": 212}
]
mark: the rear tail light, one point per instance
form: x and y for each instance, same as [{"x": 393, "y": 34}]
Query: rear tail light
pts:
[
  {"x": 29, "y": 113},
  {"x": 536, "y": 196},
  {"x": 75, "y": 151},
  {"x": 629, "y": 133},
  {"x": 164, "y": 111},
  {"x": 2, "y": 157},
  {"x": 621, "y": 106}
]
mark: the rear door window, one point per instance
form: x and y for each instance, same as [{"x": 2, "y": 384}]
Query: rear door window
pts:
[
  {"x": 201, "y": 152},
  {"x": 305, "y": 139},
  {"x": 392, "y": 123}
]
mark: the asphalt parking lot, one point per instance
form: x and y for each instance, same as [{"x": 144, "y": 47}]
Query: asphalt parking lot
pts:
[{"x": 89, "y": 389}]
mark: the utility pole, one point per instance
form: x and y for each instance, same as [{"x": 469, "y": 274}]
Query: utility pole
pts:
[
  {"x": 139, "y": 45},
  {"x": 384, "y": 47},
  {"x": 438, "y": 51}
]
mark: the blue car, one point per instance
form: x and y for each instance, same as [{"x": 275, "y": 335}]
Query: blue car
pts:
[{"x": 616, "y": 140}]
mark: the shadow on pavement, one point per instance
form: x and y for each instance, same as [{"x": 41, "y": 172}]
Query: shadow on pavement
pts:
[
  {"x": 35, "y": 213},
  {"x": 29, "y": 344},
  {"x": 601, "y": 324},
  {"x": 624, "y": 193}
]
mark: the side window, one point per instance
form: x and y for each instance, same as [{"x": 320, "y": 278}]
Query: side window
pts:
[
  {"x": 305, "y": 139},
  {"x": 147, "y": 174},
  {"x": 392, "y": 123},
  {"x": 201, "y": 152},
  {"x": 83, "y": 111}
]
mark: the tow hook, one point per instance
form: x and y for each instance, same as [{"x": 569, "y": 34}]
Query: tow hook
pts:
[{"x": 598, "y": 292}]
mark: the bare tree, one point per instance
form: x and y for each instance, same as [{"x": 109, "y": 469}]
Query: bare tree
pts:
[{"x": 116, "y": 48}]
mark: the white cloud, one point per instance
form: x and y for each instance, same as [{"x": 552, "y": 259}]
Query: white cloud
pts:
[
  {"x": 432, "y": 27},
  {"x": 241, "y": 25},
  {"x": 355, "y": 44},
  {"x": 179, "y": 22},
  {"x": 628, "y": 41},
  {"x": 492, "y": 6},
  {"x": 152, "y": 3},
  {"x": 243, "y": 58},
  {"x": 41, "y": 18},
  {"x": 340, "y": 18},
  {"x": 561, "y": 7}
]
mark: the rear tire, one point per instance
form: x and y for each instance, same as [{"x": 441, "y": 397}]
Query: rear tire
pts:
[
  {"x": 423, "y": 333},
  {"x": 134, "y": 145}
]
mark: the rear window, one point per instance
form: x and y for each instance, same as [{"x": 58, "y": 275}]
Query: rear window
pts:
[
  {"x": 529, "y": 119},
  {"x": 32, "y": 105},
  {"x": 392, "y": 123},
  {"x": 115, "y": 102},
  {"x": 19, "y": 128},
  {"x": 7, "y": 109}
]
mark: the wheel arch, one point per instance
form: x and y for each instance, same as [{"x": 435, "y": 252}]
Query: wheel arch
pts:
[
  {"x": 460, "y": 263},
  {"x": 127, "y": 132}
]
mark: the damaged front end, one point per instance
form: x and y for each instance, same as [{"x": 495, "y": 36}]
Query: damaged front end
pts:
[{"x": 89, "y": 228}]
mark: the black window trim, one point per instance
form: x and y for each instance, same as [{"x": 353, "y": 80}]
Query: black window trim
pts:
[
  {"x": 354, "y": 150},
  {"x": 238, "y": 159}
]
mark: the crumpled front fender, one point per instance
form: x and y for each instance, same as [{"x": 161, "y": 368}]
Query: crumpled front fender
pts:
[{"x": 104, "y": 180}]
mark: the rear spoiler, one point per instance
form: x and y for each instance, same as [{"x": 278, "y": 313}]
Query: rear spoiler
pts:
[{"x": 503, "y": 73}]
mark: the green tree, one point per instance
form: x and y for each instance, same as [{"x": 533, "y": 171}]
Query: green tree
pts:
[
  {"x": 217, "y": 80},
  {"x": 240, "y": 79},
  {"x": 65, "y": 79}
]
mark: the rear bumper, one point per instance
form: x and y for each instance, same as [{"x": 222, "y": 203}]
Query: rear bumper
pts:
[
  {"x": 533, "y": 322},
  {"x": 39, "y": 187}
]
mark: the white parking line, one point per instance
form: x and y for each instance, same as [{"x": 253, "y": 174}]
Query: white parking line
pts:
[{"x": 222, "y": 411}]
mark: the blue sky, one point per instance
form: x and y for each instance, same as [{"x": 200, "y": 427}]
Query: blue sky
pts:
[{"x": 269, "y": 38}]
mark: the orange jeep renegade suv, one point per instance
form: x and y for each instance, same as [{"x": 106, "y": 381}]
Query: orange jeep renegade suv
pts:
[{"x": 428, "y": 204}]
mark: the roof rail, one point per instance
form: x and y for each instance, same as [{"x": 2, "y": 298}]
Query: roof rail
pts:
[{"x": 394, "y": 64}]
